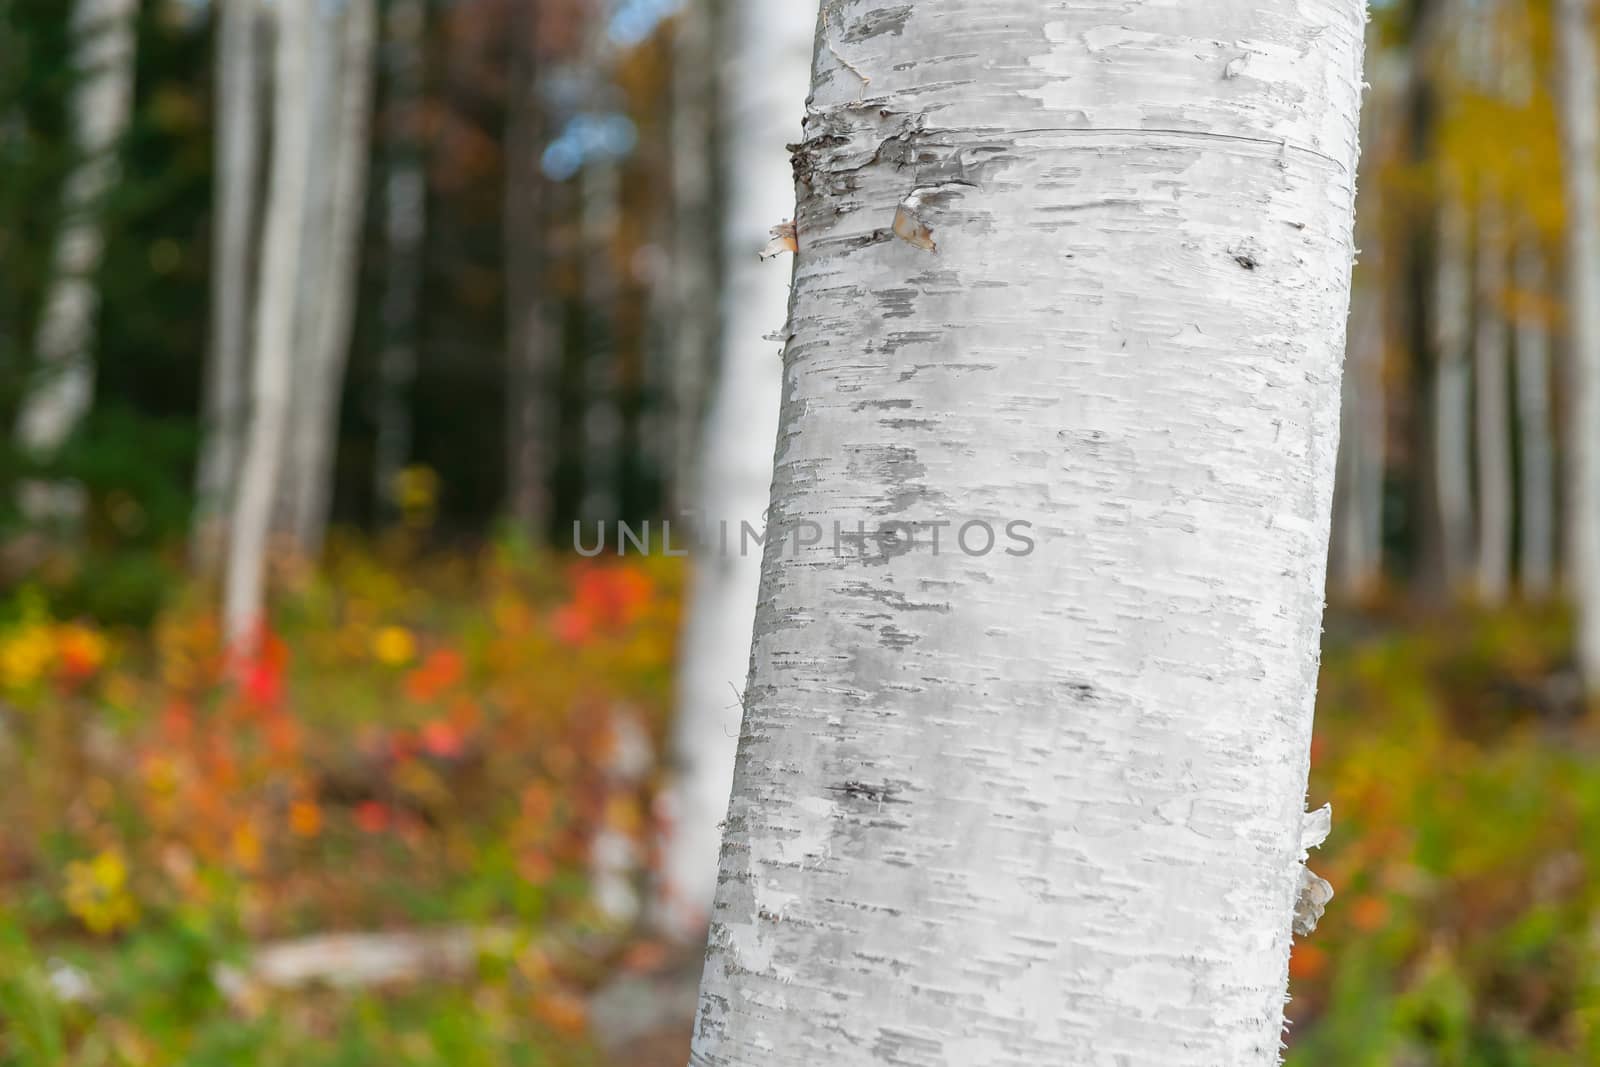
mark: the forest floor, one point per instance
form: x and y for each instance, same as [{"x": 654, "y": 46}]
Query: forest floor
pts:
[{"x": 422, "y": 756}]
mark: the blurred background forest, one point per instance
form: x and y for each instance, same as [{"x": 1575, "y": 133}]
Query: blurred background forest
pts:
[{"x": 321, "y": 321}]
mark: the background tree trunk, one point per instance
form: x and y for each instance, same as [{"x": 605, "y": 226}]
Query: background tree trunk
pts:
[
  {"x": 312, "y": 446},
  {"x": 405, "y": 195},
  {"x": 1357, "y": 557},
  {"x": 696, "y": 109},
  {"x": 1453, "y": 388},
  {"x": 314, "y": 273},
  {"x": 1580, "y": 136},
  {"x": 275, "y": 319},
  {"x": 63, "y": 389},
  {"x": 238, "y": 160},
  {"x": 1491, "y": 394},
  {"x": 599, "y": 190},
  {"x": 532, "y": 366},
  {"x": 1537, "y": 449},
  {"x": 1087, "y": 267},
  {"x": 1496, "y": 512},
  {"x": 765, "y": 92}
]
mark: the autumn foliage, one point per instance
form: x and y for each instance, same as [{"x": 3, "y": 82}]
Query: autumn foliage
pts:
[{"x": 402, "y": 751}]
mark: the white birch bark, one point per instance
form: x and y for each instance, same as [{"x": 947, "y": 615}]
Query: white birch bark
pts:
[
  {"x": 63, "y": 390},
  {"x": 1537, "y": 549},
  {"x": 765, "y": 82},
  {"x": 238, "y": 164},
  {"x": 275, "y": 316},
  {"x": 1580, "y": 137},
  {"x": 1045, "y": 808},
  {"x": 326, "y": 345},
  {"x": 1452, "y": 387},
  {"x": 405, "y": 195},
  {"x": 314, "y": 272},
  {"x": 1492, "y": 408}
]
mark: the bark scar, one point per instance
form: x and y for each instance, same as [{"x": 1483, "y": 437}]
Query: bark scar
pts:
[
  {"x": 1247, "y": 253},
  {"x": 828, "y": 11},
  {"x": 880, "y": 794}
]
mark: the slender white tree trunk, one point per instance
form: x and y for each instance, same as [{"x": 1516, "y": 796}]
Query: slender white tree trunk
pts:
[
  {"x": 275, "y": 316},
  {"x": 765, "y": 92},
  {"x": 64, "y": 348},
  {"x": 1453, "y": 387},
  {"x": 326, "y": 347},
  {"x": 1085, "y": 266},
  {"x": 1580, "y": 136},
  {"x": 238, "y": 161},
  {"x": 1496, "y": 515},
  {"x": 405, "y": 228},
  {"x": 1537, "y": 450},
  {"x": 314, "y": 273}
]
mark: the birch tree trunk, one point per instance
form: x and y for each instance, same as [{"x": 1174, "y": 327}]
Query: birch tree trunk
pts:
[
  {"x": 275, "y": 316},
  {"x": 1085, "y": 266},
  {"x": 1496, "y": 515},
  {"x": 330, "y": 323},
  {"x": 314, "y": 272},
  {"x": 765, "y": 85},
  {"x": 1537, "y": 450},
  {"x": 238, "y": 161},
  {"x": 63, "y": 391},
  {"x": 405, "y": 195},
  {"x": 1580, "y": 137},
  {"x": 1453, "y": 388}
]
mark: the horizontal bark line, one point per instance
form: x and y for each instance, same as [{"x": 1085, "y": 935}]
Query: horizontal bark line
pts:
[{"x": 1130, "y": 131}]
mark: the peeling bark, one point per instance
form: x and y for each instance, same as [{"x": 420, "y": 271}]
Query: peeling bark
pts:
[{"x": 1047, "y": 807}]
